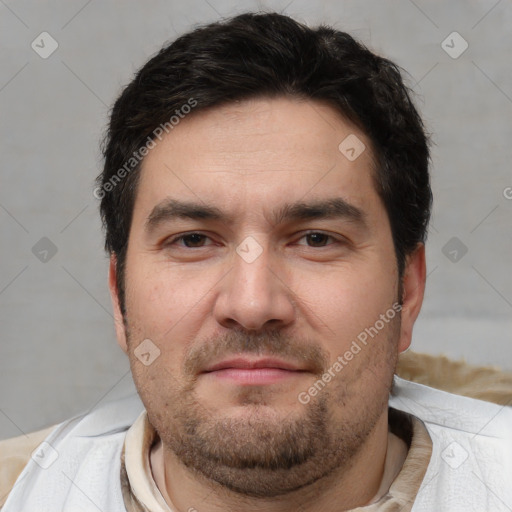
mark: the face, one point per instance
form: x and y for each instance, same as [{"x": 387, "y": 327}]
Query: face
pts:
[{"x": 262, "y": 276}]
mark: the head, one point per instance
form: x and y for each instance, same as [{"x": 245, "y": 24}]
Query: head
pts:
[{"x": 265, "y": 194}]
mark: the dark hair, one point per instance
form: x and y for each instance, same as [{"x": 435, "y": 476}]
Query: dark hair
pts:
[{"x": 271, "y": 55}]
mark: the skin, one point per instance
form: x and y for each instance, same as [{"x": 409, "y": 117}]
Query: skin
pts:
[{"x": 223, "y": 444}]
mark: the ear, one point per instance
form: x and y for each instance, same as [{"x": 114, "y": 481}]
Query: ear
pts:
[
  {"x": 114, "y": 295},
  {"x": 413, "y": 289}
]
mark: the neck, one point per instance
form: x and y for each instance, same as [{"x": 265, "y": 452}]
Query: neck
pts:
[{"x": 357, "y": 484}]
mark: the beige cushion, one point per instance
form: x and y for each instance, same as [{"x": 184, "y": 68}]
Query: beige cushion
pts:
[{"x": 485, "y": 383}]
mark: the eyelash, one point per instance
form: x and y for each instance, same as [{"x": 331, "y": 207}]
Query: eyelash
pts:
[{"x": 185, "y": 235}]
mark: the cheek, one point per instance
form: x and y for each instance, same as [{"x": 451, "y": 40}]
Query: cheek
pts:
[
  {"x": 157, "y": 385},
  {"x": 348, "y": 302},
  {"x": 167, "y": 307},
  {"x": 352, "y": 293},
  {"x": 159, "y": 297}
]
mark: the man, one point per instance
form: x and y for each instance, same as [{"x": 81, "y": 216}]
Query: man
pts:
[{"x": 266, "y": 199}]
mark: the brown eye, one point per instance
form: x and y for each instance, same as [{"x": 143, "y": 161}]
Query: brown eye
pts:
[
  {"x": 193, "y": 240},
  {"x": 318, "y": 239},
  {"x": 189, "y": 240}
]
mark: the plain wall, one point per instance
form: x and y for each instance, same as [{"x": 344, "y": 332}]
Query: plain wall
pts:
[{"x": 58, "y": 353}]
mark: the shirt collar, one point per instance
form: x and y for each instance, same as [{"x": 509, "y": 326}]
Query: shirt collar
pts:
[{"x": 137, "y": 447}]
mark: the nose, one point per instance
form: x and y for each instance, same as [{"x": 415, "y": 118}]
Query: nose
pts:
[{"x": 254, "y": 295}]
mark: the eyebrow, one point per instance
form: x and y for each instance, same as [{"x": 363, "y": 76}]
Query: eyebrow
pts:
[{"x": 332, "y": 208}]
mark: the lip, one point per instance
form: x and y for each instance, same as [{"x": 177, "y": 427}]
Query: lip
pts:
[
  {"x": 244, "y": 363},
  {"x": 245, "y": 371}
]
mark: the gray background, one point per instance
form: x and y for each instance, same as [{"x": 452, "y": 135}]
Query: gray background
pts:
[{"x": 58, "y": 354}]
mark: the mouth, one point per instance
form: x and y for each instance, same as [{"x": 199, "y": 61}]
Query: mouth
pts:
[{"x": 246, "y": 371}]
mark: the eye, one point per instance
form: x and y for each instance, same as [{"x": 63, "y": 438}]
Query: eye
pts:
[
  {"x": 319, "y": 239},
  {"x": 189, "y": 240},
  {"x": 195, "y": 240}
]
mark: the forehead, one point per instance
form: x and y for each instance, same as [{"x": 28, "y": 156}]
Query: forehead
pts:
[{"x": 254, "y": 154}]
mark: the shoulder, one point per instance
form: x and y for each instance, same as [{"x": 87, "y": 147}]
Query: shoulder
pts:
[
  {"x": 14, "y": 456},
  {"x": 470, "y": 468},
  {"x": 78, "y": 440},
  {"x": 445, "y": 411}
]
